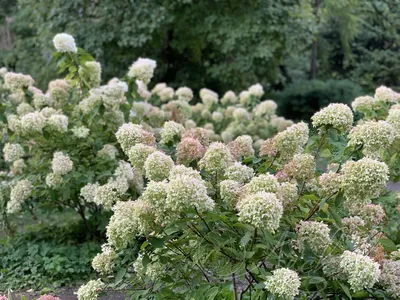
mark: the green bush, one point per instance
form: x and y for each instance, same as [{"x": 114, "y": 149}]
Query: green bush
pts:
[
  {"x": 300, "y": 100},
  {"x": 46, "y": 256}
]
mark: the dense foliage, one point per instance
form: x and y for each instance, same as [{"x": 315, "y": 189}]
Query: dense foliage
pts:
[
  {"x": 231, "y": 44},
  {"x": 218, "y": 200}
]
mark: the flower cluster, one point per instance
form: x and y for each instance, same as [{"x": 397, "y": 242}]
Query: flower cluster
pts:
[
  {"x": 335, "y": 115},
  {"x": 90, "y": 290},
  {"x": 362, "y": 271},
  {"x": 284, "y": 283},
  {"x": 314, "y": 235}
]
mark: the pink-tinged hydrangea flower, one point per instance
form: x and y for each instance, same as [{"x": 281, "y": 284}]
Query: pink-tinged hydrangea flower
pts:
[
  {"x": 47, "y": 297},
  {"x": 301, "y": 167},
  {"x": 189, "y": 150},
  {"x": 242, "y": 146},
  {"x": 199, "y": 134}
]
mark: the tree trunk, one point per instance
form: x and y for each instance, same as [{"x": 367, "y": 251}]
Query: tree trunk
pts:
[{"x": 314, "y": 48}]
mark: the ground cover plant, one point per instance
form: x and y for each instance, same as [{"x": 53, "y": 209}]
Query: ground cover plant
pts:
[{"x": 221, "y": 199}]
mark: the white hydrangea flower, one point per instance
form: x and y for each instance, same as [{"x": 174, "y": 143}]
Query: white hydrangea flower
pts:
[
  {"x": 363, "y": 104},
  {"x": 171, "y": 131},
  {"x": 80, "y": 132},
  {"x": 129, "y": 134},
  {"x": 362, "y": 271},
  {"x": 24, "y": 108},
  {"x": 111, "y": 192},
  {"x": 63, "y": 42},
  {"x": 262, "y": 183},
  {"x": 90, "y": 290},
  {"x": 58, "y": 122},
  {"x": 103, "y": 262},
  {"x": 284, "y": 283},
  {"x": 335, "y": 115},
  {"x": 131, "y": 219},
  {"x": 184, "y": 94},
  {"x": 216, "y": 159},
  {"x": 142, "y": 69},
  {"x": 256, "y": 90},
  {"x": 265, "y": 108},
  {"x": 313, "y": 234},
  {"x": 166, "y": 94},
  {"x": 364, "y": 179},
  {"x": 19, "y": 193},
  {"x": 239, "y": 173},
  {"x": 13, "y": 152},
  {"x": 373, "y": 136},
  {"x": 385, "y": 94},
  {"x": 109, "y": 151},
  {"x": 184, "y": 193},
  {"x": 229, "y": 98},
  {"x": 61, "y": 163},
  {"x": 261, "y": 210},
  {"x": 32, "y": 122},
  {"x": 230, "y": 191},
  {"x": 158, "y": 165},
  {"x": 17, "y": 81},
  {"x": 89, "y": 191},
  {"x": 217, "y": 117},
  {"x": 53, "y": 180}
]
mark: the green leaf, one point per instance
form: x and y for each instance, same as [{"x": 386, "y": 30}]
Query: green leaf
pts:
[
  {"x": 120, "y": 274},
  {"x": 335, "y": 216},
  {"x": 317, "y": 280},
  {"x": 360, "y": 294},
  {"x": 211, "y": 293},
  {"x": 156, "y": 242},
  {"x": 246, "y": 238},
  {"x": 325, "y": 153},
  {"x": 346, "y": 290},
  {"x": 388, "y": 244}
]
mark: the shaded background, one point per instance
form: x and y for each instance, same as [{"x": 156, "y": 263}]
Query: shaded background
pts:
[{"x": 305, "y": 53}]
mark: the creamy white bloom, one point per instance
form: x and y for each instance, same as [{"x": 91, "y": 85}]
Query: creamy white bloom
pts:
[
  {"x": 17, "y": 81},
  {"x": 362, "y": 271},
  {"x": 89, "y": 191},
  {"x": 239, "y": 173},
  {"x": 142, "y": 69},
  {"x": 58, "y": 122},
  {"x": 80, "y": 132},
  {"x": 63, "y": 42},
  {"x": 284, "y": 283},
  {"x": 313, "y": 234},
  {"x": 261, "y": 210},
  {"x": 158, "y": 165},
  {"x": 32, "y": 122},
  {"x": 335, "y": 115},
  {"x": 90, "y": 290},
  {"x": 184, "y": 94},
  {"x": 12, "y": 152},
  {"x": 19, "y": 193},
  {"x": 61, "y": 163},
  {"x": 256, "y": 90}
]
